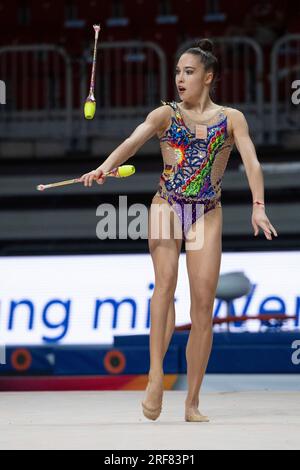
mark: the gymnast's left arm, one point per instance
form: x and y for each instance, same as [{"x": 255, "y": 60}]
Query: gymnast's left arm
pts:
[{"x": 254, "y": 173}]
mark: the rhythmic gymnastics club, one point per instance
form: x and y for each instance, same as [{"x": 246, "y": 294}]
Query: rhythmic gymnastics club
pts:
[
  {"x": 90, "y": 102},
  {"x": 120, "y": 172}
]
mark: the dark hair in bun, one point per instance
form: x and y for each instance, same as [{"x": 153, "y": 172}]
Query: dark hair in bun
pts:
[
  {"x": 204, "y": 49},
  {"x": 206, "y": 45}
]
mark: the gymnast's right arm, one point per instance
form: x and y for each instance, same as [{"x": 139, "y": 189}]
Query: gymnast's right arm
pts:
[{"x": 156, "y": 121}]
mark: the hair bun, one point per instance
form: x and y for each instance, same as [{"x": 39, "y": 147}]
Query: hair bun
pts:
[{"x": 206, "y": 45}]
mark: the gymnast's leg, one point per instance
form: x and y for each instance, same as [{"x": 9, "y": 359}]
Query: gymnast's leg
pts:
[
  {"x": 165, "y": 251},
  {"x": 203, "y": 271}
]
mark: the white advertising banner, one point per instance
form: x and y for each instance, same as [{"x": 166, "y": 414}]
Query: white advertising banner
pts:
[{"x": 90, "y": 299}]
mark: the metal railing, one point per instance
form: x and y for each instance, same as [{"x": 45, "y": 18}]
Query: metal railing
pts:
[
  {"x": 39, "y": 93},
  {"x": 45, "y": 90},
  {"x": 285, "y": 69}
]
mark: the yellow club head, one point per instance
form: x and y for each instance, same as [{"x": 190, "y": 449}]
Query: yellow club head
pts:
[
  {"x": 126, "y": 170},
  {"x": 89, "y": 109}
]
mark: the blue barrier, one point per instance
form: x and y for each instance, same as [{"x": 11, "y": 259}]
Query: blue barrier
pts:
[{"x": 232, "y": 353}]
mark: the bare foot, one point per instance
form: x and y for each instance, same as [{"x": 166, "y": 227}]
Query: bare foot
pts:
[
  {"x": 192, "y": 413},
  {"x": 154, "y": 392}
]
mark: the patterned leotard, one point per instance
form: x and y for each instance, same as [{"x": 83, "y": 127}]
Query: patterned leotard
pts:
[{"x": 193, "y": 167}]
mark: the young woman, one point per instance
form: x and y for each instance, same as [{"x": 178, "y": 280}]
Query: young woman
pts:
[{"x": 196, "y": 138}]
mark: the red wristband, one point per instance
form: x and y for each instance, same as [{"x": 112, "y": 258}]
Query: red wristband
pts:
[{"x": 258, "y": 202}]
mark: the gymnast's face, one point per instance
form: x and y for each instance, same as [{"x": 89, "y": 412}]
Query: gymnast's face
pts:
[{"x": 191, "y": 78}]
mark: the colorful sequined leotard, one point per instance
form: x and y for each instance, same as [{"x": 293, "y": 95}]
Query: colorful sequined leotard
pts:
[{"x": 193, "y": 166}]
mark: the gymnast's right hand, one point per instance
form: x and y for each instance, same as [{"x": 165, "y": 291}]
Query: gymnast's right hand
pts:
[{"x": 97, "y": 175}]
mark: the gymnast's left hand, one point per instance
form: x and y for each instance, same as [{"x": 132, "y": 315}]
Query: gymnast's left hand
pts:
[{"x": 260, "y": 219}]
